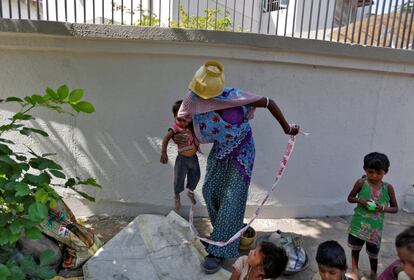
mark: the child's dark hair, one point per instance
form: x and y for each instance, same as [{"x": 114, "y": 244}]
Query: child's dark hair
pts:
[
  {"x": 176, "y": 107},
  {"x": 332, "y": 254},
  {"x": 376, "y": 161},
  {"x": 406, "y": 239},
  {"x": 274, "y": 259}
]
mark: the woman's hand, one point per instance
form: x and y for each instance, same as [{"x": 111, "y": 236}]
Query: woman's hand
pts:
[
  {"x": 292, "y": 130},
  {"x": 164, "y": 157}
]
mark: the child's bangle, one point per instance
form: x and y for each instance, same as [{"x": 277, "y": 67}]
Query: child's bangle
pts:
[
  {"x": 383, "y": 208},
  {"x": 267, "y": 102}
]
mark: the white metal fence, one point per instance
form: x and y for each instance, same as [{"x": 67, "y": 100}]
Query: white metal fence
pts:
[{"x": 382, "y": 23}]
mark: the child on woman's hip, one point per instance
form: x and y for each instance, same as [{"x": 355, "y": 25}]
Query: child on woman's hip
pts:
[
  {"x": 373, "y": 197},
  {"x": 186, "y": 163}
]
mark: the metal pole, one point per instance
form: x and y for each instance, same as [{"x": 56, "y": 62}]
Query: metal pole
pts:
[
  {"x": 333, "y": 20},
  {"x": 375, "y": 23},
  {"x": 56, "y": 9},
  {"x": 380, "y": 27},
  {"x": 18, "y": 9},
  {"x": 399, "y": 25},
  {"x": 405, "y": 24},
  {"x": 260, "y": 16},
  {"x": 301, "y": 20},
  {"x": 112, "y": 11},
  {"x": 286, "y": 18},
  {"x": 74, "y": 10},
  {"x": 1, "y": 8},
  {"x": 294, "y": 18},
  {"x": 409, "y": 29},
  {"x": 355, "y": 17},
  {"x": 234, "y": 14},
  {"x": 132, "y": 11},
  {"x": 393, "y": 23},
  {"x": 310, "y": 19},
  {"x": 188, "y": 12},
  {"x": 317, "y": 20},
  {"x": 215, "y": 21},
  {"x": 386, "y": 25},
  {"x": 251, "y": 17},
  {"x": 340, "y": 21},
  {"x": 66, "y": 10},
  {"x": 277, "y": 20},
  {"x": 178, "y": 12},
  {"x": 103, "y": 11},
  {"x": 348, "y": 17},
  {"x": 10, "y": 8},
  {"x": 84, "y": 10},
  {"x": 368, "y": 22},
  {"x": 244, "y": 2},
  {"x": 360, "y": 21},
  {"x": 198, "y": 6},
  {"x": 150, "y": 13},
  {"x": 270, "y": 6},
  {"x": 326, "y": 20},
  {"x": 38, "y": 9},
  {"x": 141, "y": 10},
  {"x": 122, "y": 13}
]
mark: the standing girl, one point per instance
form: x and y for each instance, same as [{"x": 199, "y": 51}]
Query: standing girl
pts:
[{"x": 374, "y": 197}]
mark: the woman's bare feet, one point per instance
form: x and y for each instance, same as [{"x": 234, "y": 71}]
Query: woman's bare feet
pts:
[
  {"x": 190, "y": 195},
  {"x": 177, "y": 201}
]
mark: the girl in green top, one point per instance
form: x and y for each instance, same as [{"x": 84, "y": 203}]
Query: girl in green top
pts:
[{"x": 374, "y": 197}]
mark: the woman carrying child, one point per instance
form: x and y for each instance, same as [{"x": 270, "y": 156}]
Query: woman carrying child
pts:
[{"x": 221, "y": 116}]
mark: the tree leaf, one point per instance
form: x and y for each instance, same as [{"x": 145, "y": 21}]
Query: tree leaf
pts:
[
  {"x": 28, "y": 130},
  {"x": 5, "y": 149},
  {"x": 41, "y": 196},
  {"x": 38, "y": 99},
  {"x": 90, "y": 182},
  {"x": 4, "y": 236},
  {"x": 6, "y": 141},
  {"x": 22, "y": 189},
  {"x": 70, "y": 182},
  {"x": 85, "y": 195},
  {"x": 53, "y": 203},
  {"x": 47, "y": 163},
  {"x": 63, "y": 92},
  {"x": 30, "y": 100},
  {"x": 16, "y": 226},
  {"x": 57, "y": 174},
  {"x": 33, "y": 233},
  {"x": 37, "y": 211},
  {"x": 85, "y": 107},
  {"x": 21, "y": 116},
  {"x": 76, "y": 95},
  {"x": 4, "y": 272},
  {"x": 17, "y": 273},
  {"x": 13, "y": 99},
  {"x": 52, "y": 94}
]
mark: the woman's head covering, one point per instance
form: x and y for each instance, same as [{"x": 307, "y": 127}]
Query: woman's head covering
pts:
[{"x": 208, "y": 81}]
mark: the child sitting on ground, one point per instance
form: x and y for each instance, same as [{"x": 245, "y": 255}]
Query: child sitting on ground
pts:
[
  {"x": 331, "y": 260},
  {"x": 374, "y": 197},
  {"x": 186, "y": 163},
  {"x": 265, "y": 261},
  {"x": 404, "y": 267}
]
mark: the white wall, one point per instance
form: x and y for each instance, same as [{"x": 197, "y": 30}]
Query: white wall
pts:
[
  {"x": 351, "y": 102},
  {"x": 13, "y": 7}
]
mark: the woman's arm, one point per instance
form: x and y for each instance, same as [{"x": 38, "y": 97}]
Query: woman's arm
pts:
[
  {"x": 393, "y": 201},
  {"x": 277, "y": 114}
]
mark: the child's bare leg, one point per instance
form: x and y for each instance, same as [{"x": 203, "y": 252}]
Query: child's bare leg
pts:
[
  {"x": 190, "y": 195},
  {"x": 374, "y": 265},
  {"x": 355, "y": 260},
  {"x": 177, "y": 201}
]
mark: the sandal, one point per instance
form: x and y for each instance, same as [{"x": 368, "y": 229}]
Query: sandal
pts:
[{"x": 212, "y": 264}]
